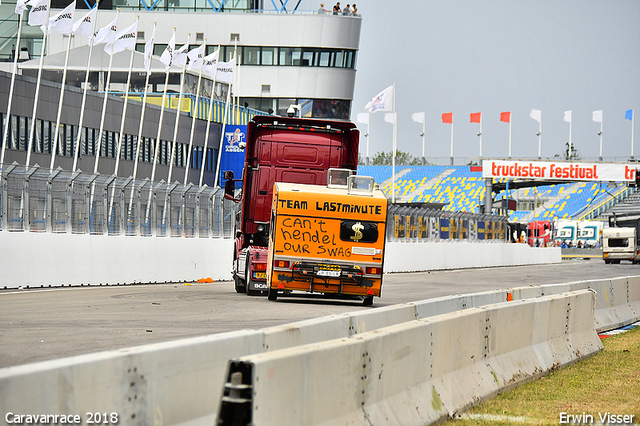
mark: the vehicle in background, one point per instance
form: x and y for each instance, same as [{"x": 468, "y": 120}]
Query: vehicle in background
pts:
[
  {"x": 590, "y": 233},
  {"x": 328, "y": 239},
  {"x": 281, "y": 149},
  {"x": 620, "y": 240},
  {"x": 578, "y": 233},
  {"x": 539, "y": 233}
]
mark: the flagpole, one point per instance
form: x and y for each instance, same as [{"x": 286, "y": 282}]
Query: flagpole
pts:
[
  {"x": 104, "y": 106},
  {"x": 5, "y": 138},
  {"x": 480, "y": 135},
  {"x": 600, "y": 133},
  {"x": 368, "y": 135},
  {"x": 193, "y": 118},
  {"x": 540, "y": 137},
  {"x": 35, "y": 98},
  {"x": 509, "y": 135},
  {"x": 84, "y": 92},
  {"x": 224, "y": 126},
  {"x": 124, "y": 109},
  {"x": 452, "y": 139},
  {"x": 570, "y": 128},
  {"x": 393, "y": 155},
  {"x": 424, "y": 130},
  {"x": 164, "y": 96},
  {"x": 144, "y": 108},
  {"x": 209, "y": 118},
  {"x": 64, "y": 80},
  {"x": 177, "y": 120},
  {"x": 632, "y": 126}
]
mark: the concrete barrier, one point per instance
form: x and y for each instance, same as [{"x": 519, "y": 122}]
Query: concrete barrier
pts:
[
  {"x": 196, "y": 368},
  {"x": 110, "y": 260},
  {"x": 410, "y": 257},
  {"x": 163, "y": 384},
  {"x": 414, "y": 373},
  {"x": 44, "y": 260}
]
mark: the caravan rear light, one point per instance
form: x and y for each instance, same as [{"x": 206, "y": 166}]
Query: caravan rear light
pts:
[
  {"x": 281, "y": 263},
  {"x": 260, "y": 267},
  {"x": 374, "y": 271}
]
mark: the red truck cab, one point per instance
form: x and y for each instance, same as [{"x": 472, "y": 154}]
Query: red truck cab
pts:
[{"x": 281, "y": 149}]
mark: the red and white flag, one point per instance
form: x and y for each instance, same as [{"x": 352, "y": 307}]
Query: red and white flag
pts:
[
  {"x": 210, "y": 63},
  {"x": 225, "y": 72},
  {"x": 126, "y": 39},
  {"x": 62, "y": 21},
  {"x": 107, "y": 34},
  {"x": 84, "y": 25},
  {"x": 148, "y": 51},
  {"x": 39, "y": 12},
  {"x": 383, "y": 101}
]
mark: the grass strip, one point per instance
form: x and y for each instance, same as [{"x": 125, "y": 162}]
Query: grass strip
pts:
[{"x": 608, "y": 382}]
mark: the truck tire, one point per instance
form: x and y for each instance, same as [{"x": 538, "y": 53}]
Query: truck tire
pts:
[
  {"x": 241, "y": 286},
  {"x": 368, "y": 301},
  {"x": 273, "y": 294},
  {"x": 615, "y": 262},
  {"x": 607, "y": 261}
]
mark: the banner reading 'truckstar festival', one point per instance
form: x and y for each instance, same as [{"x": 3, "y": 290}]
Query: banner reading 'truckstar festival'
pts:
[
  {"x": 232, "y": 155},
  {"x": 558, "y": 170}
]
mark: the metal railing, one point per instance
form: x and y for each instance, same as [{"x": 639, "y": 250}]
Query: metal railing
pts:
[{"x": 35, "y": 200}]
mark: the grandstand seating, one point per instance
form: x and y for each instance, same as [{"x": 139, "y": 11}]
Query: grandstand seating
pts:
[{"x": 462, "y": 190}]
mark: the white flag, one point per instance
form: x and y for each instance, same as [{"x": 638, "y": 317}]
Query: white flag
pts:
[
  {"x": 167, "y": 56},
  {"x": 195, "y": 57},
  {"x": 107, "y": 34},
  {"x": 39, "y": 12},
  {"x": 597, "y": 116},
  {"x": 148, "y": 51},
  {"x": 126, "y": 39},
  {"x": 383, "y": 101},
  {"x": 84, "y": 25},
  {"x": 567, "y": 116},
  {"x": 418, "y": 117},
  {"x": 363, "y": 118},
  {"x": 21, "y": 6},
  {"x": 391, "y": 117},
  {"x": 536, "y": 114},
  {"x": 225, "y": 72},
  {"x": 210, "y": 63},
  {"x": 62, "y": 21},
  {"x": 180, "y": 55}
]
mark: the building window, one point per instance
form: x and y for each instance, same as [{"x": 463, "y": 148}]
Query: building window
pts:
[{"x": 268, "y": 56}]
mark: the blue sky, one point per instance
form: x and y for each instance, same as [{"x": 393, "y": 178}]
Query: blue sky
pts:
[{"x": 465, "y": 56}]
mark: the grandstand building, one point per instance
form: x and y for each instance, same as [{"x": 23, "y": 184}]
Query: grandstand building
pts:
[{"x": 286, "y": 57}]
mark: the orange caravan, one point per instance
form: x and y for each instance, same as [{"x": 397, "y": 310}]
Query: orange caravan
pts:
[{"x": 327, "y": 239}]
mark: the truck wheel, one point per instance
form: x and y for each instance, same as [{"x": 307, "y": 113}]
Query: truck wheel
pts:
[
  {"x": 273, "y": 294},
  {"x": 607, "y": 262},
  {"x": 241, "y": 287},
  {"x": 368, "y": 301},
  {"x": 615, "y": 262}
]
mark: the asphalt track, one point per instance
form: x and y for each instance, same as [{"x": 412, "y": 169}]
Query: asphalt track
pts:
[{"x": 42, "y": 324}]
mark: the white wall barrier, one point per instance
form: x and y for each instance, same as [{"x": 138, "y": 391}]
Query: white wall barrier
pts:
[
  {"x": 168, "y": 374},
  {"x": 33, "y": 259},
  {"x": 44, "y": 259},
  {"x": 409, "y": 257},
  {"x": 413, "y": 373}
]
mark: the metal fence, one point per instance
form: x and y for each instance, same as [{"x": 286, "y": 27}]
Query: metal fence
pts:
[{"x": 36, "y": 200}]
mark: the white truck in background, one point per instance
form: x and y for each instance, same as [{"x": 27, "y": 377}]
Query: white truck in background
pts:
[
  {"x": 620, "y": 240},
  {"x": 620, "y": 244}
]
